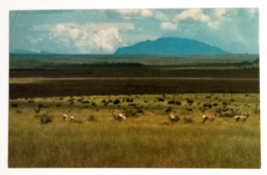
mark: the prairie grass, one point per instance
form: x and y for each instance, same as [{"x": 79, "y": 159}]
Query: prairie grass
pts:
[{"x": 148, "y": 140}]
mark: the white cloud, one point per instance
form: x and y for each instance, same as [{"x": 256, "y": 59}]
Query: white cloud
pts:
[
  {"x": 161, "y": 16},
  {"x": 219, "y": 11},
  {"x": 126, "y": 17},
  {"x": 35, "y": 50},
  {"x": 252, "y": 10},
  {"x": 34, "y": 41},
  {"x": 168, "y": 26},
  {"x": 142, "y": 12},
  {"x": 194, "y": 13},
  {"x": 214, "y": 24},
  {"x": 89, "y": 36}
]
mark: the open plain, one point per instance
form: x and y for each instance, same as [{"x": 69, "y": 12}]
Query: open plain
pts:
[{"x": 147, "y": 138}]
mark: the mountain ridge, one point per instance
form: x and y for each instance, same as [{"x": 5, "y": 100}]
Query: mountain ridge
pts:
[{"x": 172, "y": 46}]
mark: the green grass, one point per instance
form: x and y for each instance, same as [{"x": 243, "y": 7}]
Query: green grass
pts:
[{"x": 149, "y": 140}]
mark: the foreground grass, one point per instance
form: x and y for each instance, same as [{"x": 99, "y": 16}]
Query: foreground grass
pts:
[{"x": 149, "y": 140}]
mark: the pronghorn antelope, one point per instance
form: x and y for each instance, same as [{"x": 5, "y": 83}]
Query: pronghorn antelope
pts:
[
  {"x": 71, "y": 118},
  {"x": 173, "y": 118},
  {"x": 208, "y": 118},
  {"x": 241, "y": 118},
  {"x": 118, "y": 117},
  {"x": 65, "y": 117}
]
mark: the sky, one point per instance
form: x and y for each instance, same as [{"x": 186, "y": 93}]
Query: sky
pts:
[{"x": 234, "y": 30}]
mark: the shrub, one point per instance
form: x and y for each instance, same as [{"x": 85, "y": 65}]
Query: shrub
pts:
[
  {"x": 140, "y": 111},
  {"x": 14, "y": 105},
  {"x": 256, "y": 110},
  {"x": 189, "y": 109},
  {"x": 85, "y": 102},
  {"x": 188, "y": 120},
  {"x": 42, "y": 106},
  {"x": 131, "y": 113},
  {"x": 160, "y": 99},
  {"x": 215, "y": 104},
  {"x": 129, "y": 100},
  {"x": 45, "y": 118},
  {"x": 77, "y": 121},
  {"x": 58, "y": 105},
  {"x": 19, "y": 111},
  {"x": 202, "y": 109},
  {"x": 116, "y": 102},
  {"x": 169, "y": 109},
  {"x": 226, "y": 112},
  {"x": 224, "y": 103},
  {"x": 178, "y": 103},
  {"x": 190, "y": 101},
  {"x": 171, "y": 102}
]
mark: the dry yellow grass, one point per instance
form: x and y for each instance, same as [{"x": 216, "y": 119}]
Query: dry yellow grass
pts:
[{"x": 149, "y": 140}]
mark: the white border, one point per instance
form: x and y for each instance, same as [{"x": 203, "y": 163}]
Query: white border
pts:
[{"x": 6, "y": 5}]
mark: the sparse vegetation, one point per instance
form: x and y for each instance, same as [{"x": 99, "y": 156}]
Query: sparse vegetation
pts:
[{"x": 145, "y": 134}]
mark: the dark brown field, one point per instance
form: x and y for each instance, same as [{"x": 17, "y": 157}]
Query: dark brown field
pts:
[{"x": 222, "y": 81}]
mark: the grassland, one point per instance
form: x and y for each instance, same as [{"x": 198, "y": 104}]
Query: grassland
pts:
[
  {"x": 136, "y": 62},
  {"x": 145, "y": 139}
]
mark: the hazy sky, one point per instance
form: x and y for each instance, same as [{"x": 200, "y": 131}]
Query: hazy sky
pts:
[{"x": 103, "y": 31}]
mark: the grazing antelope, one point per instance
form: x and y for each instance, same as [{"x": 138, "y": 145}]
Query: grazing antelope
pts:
[
  {"x": 65, "y": 117},
  {"x": 118, "y": 117},
  {"x": 241, "y": 118},
  {"x": 173, "y": 118},
  {"x": 71, "y": 118},
  {"x": 208, "y": 118}
]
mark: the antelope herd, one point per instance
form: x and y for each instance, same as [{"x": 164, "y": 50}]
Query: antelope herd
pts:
[{"x": 173, "y": 118}]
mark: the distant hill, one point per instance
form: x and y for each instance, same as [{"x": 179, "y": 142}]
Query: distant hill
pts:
[
  {"x": 21, "y": 51},
  {"x": 172, "y": 46}
]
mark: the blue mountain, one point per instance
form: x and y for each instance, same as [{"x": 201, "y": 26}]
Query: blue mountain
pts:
[{"x": 171, "y": 45}]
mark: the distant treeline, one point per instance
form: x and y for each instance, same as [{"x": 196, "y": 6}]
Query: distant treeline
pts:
[{"x": 143, "y": 62}]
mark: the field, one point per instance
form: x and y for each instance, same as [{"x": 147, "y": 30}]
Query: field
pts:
[
  {"x": 49, "y": 83},
  {"x": 145, "y": 139}
]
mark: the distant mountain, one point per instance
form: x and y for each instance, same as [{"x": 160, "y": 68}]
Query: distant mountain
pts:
[
  {"x": 171, "y": 45},
  {"x": 21, "y": 51}
]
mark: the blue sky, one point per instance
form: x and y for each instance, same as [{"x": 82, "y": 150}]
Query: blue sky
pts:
[{"x": 235, "y": 30}]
